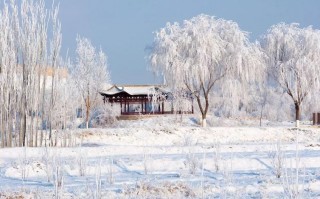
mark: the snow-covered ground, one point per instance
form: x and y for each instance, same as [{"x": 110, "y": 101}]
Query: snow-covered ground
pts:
[{"x": 171, "y": 157}]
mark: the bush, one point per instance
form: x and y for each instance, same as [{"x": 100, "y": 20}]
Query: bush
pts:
[{"x": 105, "y": 116}]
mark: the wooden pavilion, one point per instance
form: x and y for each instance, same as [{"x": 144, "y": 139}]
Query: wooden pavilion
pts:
[{"x": 141, "y": 99}]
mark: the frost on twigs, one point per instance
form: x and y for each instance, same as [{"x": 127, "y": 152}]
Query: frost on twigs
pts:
[
  {"x": 146, "y": 162},
  {"x": 201, "y": 53},
  {"x": 191, "y": 162},
  {"x": 293, "y": 59},
  {"x": 90, "y": 75},
  {"x": 47, "y": 159},
  {"x": 82, "y": 162},
  {"x": 217, "y": 156},
  {"x": 277, "y": 159},
  {"x": 105, "y": 116},
  {"x": 294, "y": 180},
  {"x": 58, "y": 178}
]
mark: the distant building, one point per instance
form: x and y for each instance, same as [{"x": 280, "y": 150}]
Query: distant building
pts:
[
  {"x": 141, "y": 99},
  {"x": 61, "y": 74}
]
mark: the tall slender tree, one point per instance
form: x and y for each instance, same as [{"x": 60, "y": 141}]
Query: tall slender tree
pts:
[{"x": 90, "y": 74}]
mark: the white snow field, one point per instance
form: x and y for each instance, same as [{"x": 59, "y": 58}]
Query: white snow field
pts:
[{"x": 170, "y": 157}]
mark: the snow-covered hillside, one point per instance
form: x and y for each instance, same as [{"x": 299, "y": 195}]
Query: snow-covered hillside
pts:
[{"x": 170, "y": 157}]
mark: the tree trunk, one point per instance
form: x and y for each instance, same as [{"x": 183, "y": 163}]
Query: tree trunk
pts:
[
  {"x": 24, "y": 105},
  {"x": 204, "y": 120},
  {"x": 261, "y": 114},
  {"x": 297, "y": 107},
  {"x": 2, "y": 131},
  {"x": 205, "y": 110},
  {"x": 23, "y": 129},
  {"x": 204, "y": 113},
  {"x": 50, "y": 126},
  {"x": 31, "y": 132},
  {"x": 87, "y": 111},
  {"x": 9, "y": 139},
  {"x": 36, "y": 136},
  {"x": 23, "y": 119},
  {"x": 52, "y": 103}
]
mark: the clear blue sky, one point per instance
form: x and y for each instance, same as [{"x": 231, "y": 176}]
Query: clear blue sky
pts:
[{"x": 124, "y": 28}]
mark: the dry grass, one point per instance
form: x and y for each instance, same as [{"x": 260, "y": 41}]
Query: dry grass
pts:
[{"x": 164, "y": 190}]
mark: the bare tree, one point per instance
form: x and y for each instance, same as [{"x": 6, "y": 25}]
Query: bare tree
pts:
[
  {"x": 200, "y": 53},
  {"x": 55, "y": 46},
  {"x": 8, "y": 81},
  {"x": 23, "y": 51},
  {"x": 90, "y": 74},
  {"x": 293, "y": 60}
]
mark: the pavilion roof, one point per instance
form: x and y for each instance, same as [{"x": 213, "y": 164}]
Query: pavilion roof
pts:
[{"x": 134, "y": 89}]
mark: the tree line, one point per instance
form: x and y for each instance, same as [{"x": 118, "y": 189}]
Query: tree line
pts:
[
  {"x": 39, "y": 90},
  {"x": 214, "y": 57}
]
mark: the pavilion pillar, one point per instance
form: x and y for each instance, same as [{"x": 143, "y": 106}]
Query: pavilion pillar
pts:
[
  {"x": 162, "y": 107},
  {"x": 128, "y": 107},
  {"x": 172, "y": 110},
  {"x": 192, "y": 107},
  {"x": 121, "y": 106},
  {"x": 145, "y": 106},
  {"x": 141, "y": 106}
]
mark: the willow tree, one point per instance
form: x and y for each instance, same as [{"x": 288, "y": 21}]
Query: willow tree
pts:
[
  {"x": 90, "y": 74},
  {"x": 200, "y": 53},
  {"x": 293, "y": 60}
]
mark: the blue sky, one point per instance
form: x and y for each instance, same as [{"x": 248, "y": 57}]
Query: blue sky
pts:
[{"x": 124, "y": 28}]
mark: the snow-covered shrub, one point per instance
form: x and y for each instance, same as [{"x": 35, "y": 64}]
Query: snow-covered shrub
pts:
[
  {"x": 202, "y": 175},
  {"x": 110, "y": 174},
  {"x": 163, "y": 190},
  {"x": 217, "y": 156},
  {"x": 98, "y": 182},
  {"x": 277, "y": 160},
  {"x": 192, "y": 163},
  {"x": 82, "y": 163},
  {"x": 189, "y": 140},
  {"x": 17, "y": 194},
  {"x": 23, "y": 164},
  {"x": 58, "y": 177},
  {"x": 226, "y": 185},
  {"x": 47, "y": 158},
  {"x": 146, "y": 162},
  {"x": 291, "y": 183},
  {"x": 105, "y": 115},
  {"x": 227, "y": 172},
  {"x": 293, "y": 180}
]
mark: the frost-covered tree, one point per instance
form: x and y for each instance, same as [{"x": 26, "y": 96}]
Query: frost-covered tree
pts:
[
  {"x": 293, "y": 60},
  {"x": 8, "y": 81},
  {"x": 90, "y": 74},
  {"x": 55, "y": 46},
  {"x": 202, "y": 52},
  {"x": 25, "y": 29}
]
